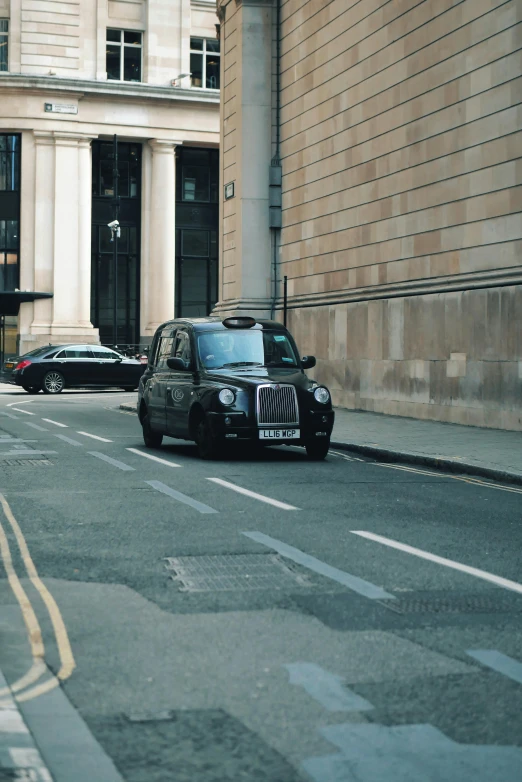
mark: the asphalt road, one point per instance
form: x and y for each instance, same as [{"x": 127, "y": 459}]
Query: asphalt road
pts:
[{"x": 342, "y": 621}]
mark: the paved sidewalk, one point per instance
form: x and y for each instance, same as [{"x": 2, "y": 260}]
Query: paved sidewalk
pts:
[
  {"x": 19, "y": 757},
  {"x": 492, "y": 453}
]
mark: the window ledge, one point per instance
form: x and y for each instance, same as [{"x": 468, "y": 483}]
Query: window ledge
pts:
[{"x": 114, "y": 89}]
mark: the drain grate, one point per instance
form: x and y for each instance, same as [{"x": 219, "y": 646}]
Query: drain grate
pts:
[
  {"x": 456, "y": 604},
  {"x": 25, "y": 462},
  {"x": 234, "y": 572}
]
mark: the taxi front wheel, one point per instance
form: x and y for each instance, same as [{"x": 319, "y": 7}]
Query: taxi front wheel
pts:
[
  {"x": 317, "y": 449},
  {"x": 206, "y": 442},
  {"x": 150, "y": 438}
]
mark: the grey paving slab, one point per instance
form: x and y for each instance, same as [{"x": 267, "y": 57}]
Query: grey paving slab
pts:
[{"x": 493, "y": 453}]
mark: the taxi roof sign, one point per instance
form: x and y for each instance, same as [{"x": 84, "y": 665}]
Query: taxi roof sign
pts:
[{"x": 240, "y": 322}]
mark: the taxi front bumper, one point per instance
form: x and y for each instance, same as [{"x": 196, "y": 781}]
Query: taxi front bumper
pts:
[{"x": 236, "y": 426}]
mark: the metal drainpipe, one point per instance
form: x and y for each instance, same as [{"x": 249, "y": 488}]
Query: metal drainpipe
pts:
[{"x": 275, "y": 168}]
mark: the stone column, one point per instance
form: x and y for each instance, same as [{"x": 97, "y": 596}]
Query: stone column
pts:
[
  {"x": 159, "y": 305},
  {"x": 43, "y": 230},
  {"x": 246, "y": 253},
  {"x": 84, "y": 232}
]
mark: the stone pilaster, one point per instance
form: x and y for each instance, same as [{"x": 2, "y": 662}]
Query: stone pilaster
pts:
[
  {"x": 246, "y": 254},
  {"x": 62, "y": 239},
  {"x": 159, "y": 267}
]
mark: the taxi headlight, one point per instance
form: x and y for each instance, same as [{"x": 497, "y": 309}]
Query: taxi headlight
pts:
[
  {"x": 226, "y": 396},
  {"x": 322, "y": 395}
]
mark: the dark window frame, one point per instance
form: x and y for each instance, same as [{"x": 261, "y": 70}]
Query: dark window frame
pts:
[
  {"x": 10, "y": 172},
  {"x": 4, "y": 41},
  {"x": 122, "y": 45},
  {"x": 205, "y": 54}
]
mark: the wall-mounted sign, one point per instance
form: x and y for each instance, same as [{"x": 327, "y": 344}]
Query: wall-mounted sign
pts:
[
  {"x": 61, "y": 108},
  {"x": 229, "y": 191}
]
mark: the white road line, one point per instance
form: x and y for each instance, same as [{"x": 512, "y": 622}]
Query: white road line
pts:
[
  {"x": 154, "y": 458},
  {"x": 19, "y": 410},
  {"x": 448, "y": 476},
  {"x": 177, "y": 495},
  {"x": 347, "y": 458},
  {"x": 417, "y": 552},
  {"x": 21, "y": 402},
  {"x": 109, "y": 460},
  {"x": 499, "y": 662},
  {"x": 253, "y": 494},
  {"x": 95, "y": 437},
  {"x": 68, "y": 440},
  {"x": 56, "y": 423},
  {"x": 356, "y": 584},
  {"x": 36, "y": 426}
]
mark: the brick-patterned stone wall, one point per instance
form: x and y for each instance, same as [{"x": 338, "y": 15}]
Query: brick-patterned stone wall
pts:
[{"x": 402, "y": 193}]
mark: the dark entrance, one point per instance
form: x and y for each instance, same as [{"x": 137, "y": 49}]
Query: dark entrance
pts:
[
  {"x": 102, "y": 267},
  {"x": 197, "y": 217}
]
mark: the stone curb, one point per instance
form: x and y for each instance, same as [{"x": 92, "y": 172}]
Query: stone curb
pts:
[
  {"x": 393, "y": 455},
  {"x": 439, "y": 462}
]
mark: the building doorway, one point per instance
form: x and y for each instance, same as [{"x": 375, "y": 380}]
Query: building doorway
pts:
[{"x": 128, "y": 245}]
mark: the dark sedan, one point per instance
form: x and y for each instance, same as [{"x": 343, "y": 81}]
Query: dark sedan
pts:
[
  {"x": 219, "y": 382},
  {"x": 52, "y": 368}
]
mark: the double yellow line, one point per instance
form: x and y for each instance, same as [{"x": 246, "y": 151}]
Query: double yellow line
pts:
[{"x": 38, "y": 668}]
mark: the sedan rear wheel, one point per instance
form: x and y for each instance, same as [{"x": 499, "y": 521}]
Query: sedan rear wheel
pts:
[
  {"x": 150, "y": 438},
  {"x": 32, "y": 389},
  {"x": 53, "y": 382}
]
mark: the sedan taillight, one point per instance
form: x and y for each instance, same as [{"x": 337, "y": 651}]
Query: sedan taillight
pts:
[{"x": 22, "y": 364}]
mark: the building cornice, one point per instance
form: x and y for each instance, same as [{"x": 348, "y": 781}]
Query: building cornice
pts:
[
  {"x": 82, "y": 88},
  {"x": 496, "y": 278},
  {"x": 204, "y": 5}
]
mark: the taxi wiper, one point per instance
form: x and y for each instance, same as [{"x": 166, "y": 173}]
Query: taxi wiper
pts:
[
  {"x": 243, "y": 364},
  {"x": 281, "y": 364}
]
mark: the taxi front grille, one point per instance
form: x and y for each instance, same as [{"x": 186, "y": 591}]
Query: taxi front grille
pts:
[{"x": 277, "y": 404}]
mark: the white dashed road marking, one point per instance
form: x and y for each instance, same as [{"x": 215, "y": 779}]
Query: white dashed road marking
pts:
[
  {"x": 20, "y": 410},
  {"x": 154, "y": 458},
  {"x": 499, "y": 662},
  {"x": 95, "y": 437},
  {"x": 35, "y": 426},
  {"x": 356, "y": 584},
  {"x": 253, "y": 494},
  {"x": 177, "y": 495},
  {"x": 417, "y": 552},
  {"x": 56, "y": 423},
  {"x": 68, "y": 440},
  {"x": 109, "y": 460}
]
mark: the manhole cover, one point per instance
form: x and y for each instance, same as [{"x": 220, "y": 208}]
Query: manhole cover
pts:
[
  {"x": 25, "y": 463},
  {"x": 237, "y": 572},
  {"x": 456, "y": 604}
]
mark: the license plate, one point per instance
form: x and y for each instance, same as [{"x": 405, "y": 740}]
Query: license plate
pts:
[
  {"x": 9, "y": 365},
  {"x": 279, "y": 434}
]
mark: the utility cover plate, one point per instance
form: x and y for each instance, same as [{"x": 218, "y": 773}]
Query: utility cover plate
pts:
[
  {"x": 235, "y": 572},
  {"x": 472, "y": 603},
  {"x": 25, "y": 463}
]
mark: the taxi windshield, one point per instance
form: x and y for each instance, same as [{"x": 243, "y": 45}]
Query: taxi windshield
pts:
[{"x": 242, "y": 348}]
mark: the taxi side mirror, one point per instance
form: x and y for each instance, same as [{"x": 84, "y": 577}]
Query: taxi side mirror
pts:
[
  {"x": 307, "y": 362},
  {"x": 176, "y": 363}
]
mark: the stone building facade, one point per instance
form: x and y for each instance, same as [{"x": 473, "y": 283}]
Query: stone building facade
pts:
[
  {"x": 401, "y": 228},
  {"x": 74, "y": 74}
]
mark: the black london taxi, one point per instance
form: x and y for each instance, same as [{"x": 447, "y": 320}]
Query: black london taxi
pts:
[{"x": 237, "y": 380}]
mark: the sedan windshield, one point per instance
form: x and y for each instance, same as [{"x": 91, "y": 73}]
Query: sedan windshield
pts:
[{"x": 228, "y": 349}]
